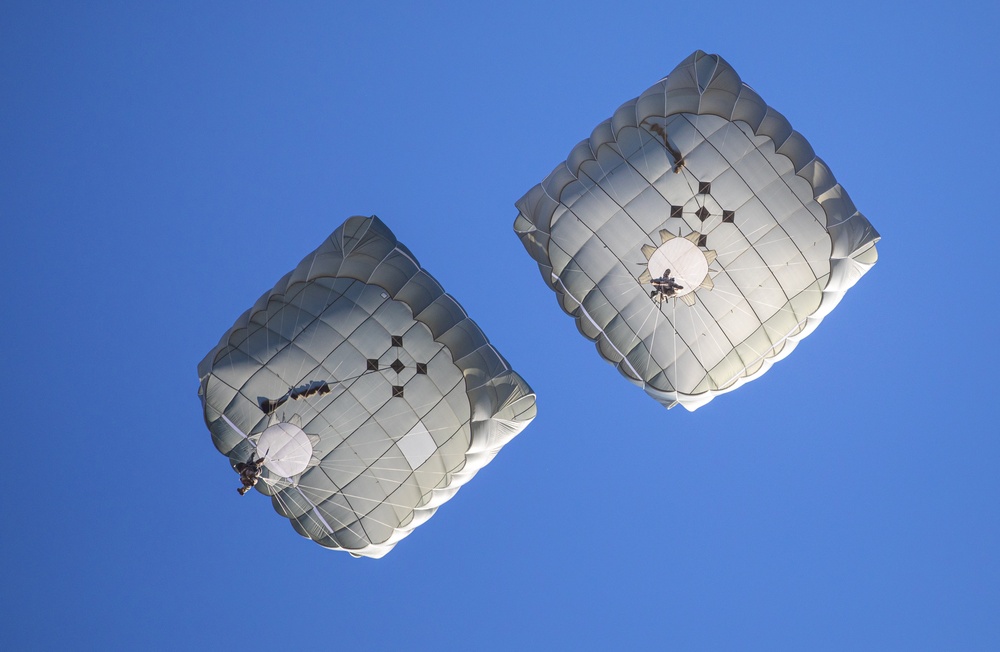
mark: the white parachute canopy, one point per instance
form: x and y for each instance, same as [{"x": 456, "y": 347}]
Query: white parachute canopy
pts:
[
  {"x": 369, "y": 393},
  {"x": 695, "y": 237}
]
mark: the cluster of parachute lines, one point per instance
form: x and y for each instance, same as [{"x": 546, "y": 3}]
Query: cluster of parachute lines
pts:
[{"x": 695, "y": 237}]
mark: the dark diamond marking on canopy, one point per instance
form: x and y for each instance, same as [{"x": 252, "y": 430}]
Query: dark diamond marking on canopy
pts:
[
  {"x": 676, "y": 211},
  {"x": 397, "y": 365},
  {"x": 702, "y": 213},
  {"x": 397, "y": 391},
  {"x": 397, "y": 340},
  {"x": 372, "y": 365},
  {"x": 704, "y": 188},
  {"x": 421, "y": 367},
  {"x": 703, "y": 240}
]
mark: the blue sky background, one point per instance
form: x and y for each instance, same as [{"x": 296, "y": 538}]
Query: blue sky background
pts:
[{"x": 162, "y": 165}]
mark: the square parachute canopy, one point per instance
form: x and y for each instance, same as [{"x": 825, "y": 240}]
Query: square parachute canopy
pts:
[
  {"x": 367, "y": 392},
  {"x": 695, "y": 236}
]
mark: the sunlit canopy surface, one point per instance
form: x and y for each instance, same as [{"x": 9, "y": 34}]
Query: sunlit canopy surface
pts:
[
  {"x": 370, "y": 393},
  {"x": 698, "y": 180}
]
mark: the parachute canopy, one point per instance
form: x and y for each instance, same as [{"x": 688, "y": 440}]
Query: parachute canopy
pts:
[
  {"x": 695, "y": 237},
  {"x": 369, "y": 393}
]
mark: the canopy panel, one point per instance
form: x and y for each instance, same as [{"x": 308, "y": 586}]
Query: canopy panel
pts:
[
  {"x": 695, "y": 237},
  {"x": 368, "y": 391}
]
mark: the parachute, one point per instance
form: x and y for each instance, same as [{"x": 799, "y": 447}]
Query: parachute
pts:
[
  {"x": 695, "y": 237},
  {"x": 368, "y": 393}
]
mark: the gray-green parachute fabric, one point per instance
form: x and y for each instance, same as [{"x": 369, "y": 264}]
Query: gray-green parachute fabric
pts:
[
  {"x": 695, "y": 237},
  {"x": 369, "y": 393}
]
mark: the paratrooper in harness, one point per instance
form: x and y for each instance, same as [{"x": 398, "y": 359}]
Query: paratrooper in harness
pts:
[
  {"x": 664, "y": 287},
  {"x": 249, "y": 472}
]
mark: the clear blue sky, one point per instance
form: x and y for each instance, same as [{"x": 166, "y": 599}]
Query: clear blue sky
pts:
[{"x": 162, "y": 165}]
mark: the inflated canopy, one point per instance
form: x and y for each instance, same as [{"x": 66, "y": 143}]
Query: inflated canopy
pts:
[
  {"x": 369, "y": 393},
  {"x": 695, "y": 237}
]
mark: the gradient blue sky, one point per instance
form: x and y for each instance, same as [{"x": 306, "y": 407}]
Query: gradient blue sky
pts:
[{"x": 162, "y": 165}]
